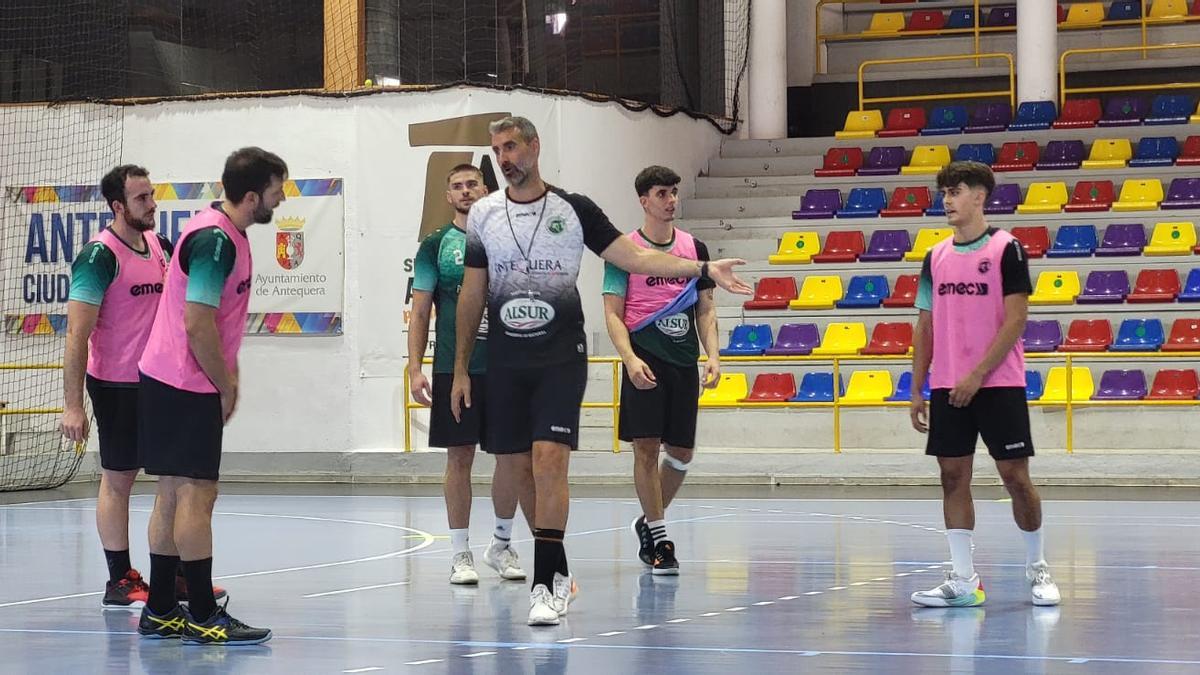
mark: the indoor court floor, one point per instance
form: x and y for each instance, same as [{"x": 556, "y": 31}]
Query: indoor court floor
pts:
[{"x": 353, "y": 580}]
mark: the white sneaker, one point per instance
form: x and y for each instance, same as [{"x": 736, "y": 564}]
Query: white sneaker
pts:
[
  {"x": 541, "y": 607},
  {"x": 1042, "y": 587},
  {"x": 504, "y": 560},
  {"x": 955, "y": 592},
  {"x": 565, "y": 590},
  {"x": 462, "y": 569}
]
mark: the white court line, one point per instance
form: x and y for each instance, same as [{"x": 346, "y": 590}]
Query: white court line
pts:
[
  {"x": 353, "y": 590},
  {"x": 764, "y": 603},
  {"x": 611, "y": 633},
  {"x": 423, "y": 663},
  {"x": 837, "y": 588},
  {"x": 679, "y": 621},
  {"x": 734, "y": 609},
  {"x": 788, "y": 597},
  {"x": 646, "y": 626},
  {"x": 711, "y": 614},
  {"x": 572, "y": 640},
  {"x": 814, "y": 592},
  {"x": 362, "y": 670},
  {"x": 478, "y": 654}
]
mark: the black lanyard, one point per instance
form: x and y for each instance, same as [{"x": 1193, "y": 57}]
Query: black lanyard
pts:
[{"x": 525, "y": 253}]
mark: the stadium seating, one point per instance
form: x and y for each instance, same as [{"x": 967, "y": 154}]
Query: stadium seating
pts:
[
  {"x": 883, "y": 23},
  {"x": 1073, "y": 241},
  {"x": 1109, "y": 153},
  {"x": 817, "y": 388},
  {"x": 1160, "y": 285},
  {"x": 1088, "y": 335},
  {"x": 1190, "y": 154},
  {"x": 927, "y": 238},
  {"x": 1123, "y": 111},
  {"x": 748, "y": 340},
  {"x": 1042, "y": 336},
  {"x": 1125, "y": 10},
  {"x": 1172, "y": 239},
  {"x": 868, "y": 386},
  {"x": 989, "y": 118},
  {"x": 938, "y": 208},
  {"x": 840, "y": 162},
  {"x": 1090, "y": 195},
  {"x": 1044, "y": 198},
  {"x": 1168, "y": 9},
  {"x": 1016, "y": 156},
  {"x": 1034, "y": 115},
  {"x": 1033, "y": 385},
  {"x": 904, "y": 291},
  {"x": 1174, "y": 385},
  {"x": 772, "y": 293},
  {"x": 1122, "y": 240},
  {"x": 795, "y": 339},
  {"x": 929, "y": 20},
  {"x": 861, "y": 124},
  {"x": 1155, "y": 151},
  {"x": 863, "y": 203},
  {"x": 1035, "y": 240},
  {"x": 1104, "y": 287},
  {"x": 1169, "y": 109},
  {"x": 796, "y": 248},
  {"x": 772, "y": 387},
  {"x": 1185, "y": 336},
  {"x": 890, "y": 339},
  {"x": 1003, "y": 200},
  {"x": 1084, "y": 15},
  {"x": 863, "y": 291},
  {"x": 1082, "y": 385},
  {"x": 1079, "y": 113},
  {"x": 887, "y": 246},
  {"x": 1139, "y": 195},
  {"x": 842, "y": 339},
  {"x": 1061, "y": 156},
  {"x": 904, "y": 388},
  {"x": 731, "y": 389},
  {"x": 1184, "y": 193},
  {"x": 1138, "y": 335},
  {"x": 927, "y": 159},
  {"x": 984, "y": 153},
  {"x": 841, "y": 247},
  {"x": 1191, "y": 287},
  {"x": 908, "y": 202},
  {"x": 1195, "y": 118},
  {"x": 818, "y": 203},
  {"x": 1121, "y": 385},
  {"x": 883, "y": 161},
  {"x": 961, "y": 18},
  {"x": 1001, "y": 16},
  {"x": 943, "y": 120},
  {"x": 903, "y": 122},
  {"x": 1055, "y": 287},
  {"x": 818, "y": 292}
]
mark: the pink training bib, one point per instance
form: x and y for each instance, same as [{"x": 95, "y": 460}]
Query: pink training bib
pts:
[
  {"x": 646, "y": 295},
  {"x": 127, "y": 310},
  {"x": 968, "y": 310},
  {"x": 168, "y": 357}
]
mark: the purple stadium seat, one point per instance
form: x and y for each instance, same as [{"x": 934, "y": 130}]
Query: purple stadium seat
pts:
[
  {"x": 1123, "y": 111},
  {"x": 1061, "y": 155},
  {"x": 1042, "y": 336},
  {"x": 1004, "y": 199},
  {"x": 1123, "y": 239},
  {"x": 795, "y": 339},
  {"x": 1104, "y": 287},
  {"x": 1184, "y": 193},
  {"x": 885, "y": 161},
  {"x": 818, "y": 203},
  {"x": 887, "y": 246},
  {"x": 1002, "y": 16},
  {"x": 989, "y": 117},
  {"x": 1121, "y": 385}
]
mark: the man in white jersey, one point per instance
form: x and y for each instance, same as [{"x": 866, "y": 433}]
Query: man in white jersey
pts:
[{"x": 524, "y": 248}]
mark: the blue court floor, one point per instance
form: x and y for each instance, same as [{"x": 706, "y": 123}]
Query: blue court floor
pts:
[{"x": 357, "y": 584}]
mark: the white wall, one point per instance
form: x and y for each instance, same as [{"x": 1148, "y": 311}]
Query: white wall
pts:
[{"x": 345, "y": 393}]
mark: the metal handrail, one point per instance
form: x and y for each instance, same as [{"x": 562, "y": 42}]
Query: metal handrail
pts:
[
  {"x": 1011, "y": 92},
  {"x": 821, "y": 38},
  {"x": 1063, "y": 90}
]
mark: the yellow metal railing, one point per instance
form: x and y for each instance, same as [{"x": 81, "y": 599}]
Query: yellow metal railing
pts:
[
  {"x": 1063, "y": 89},
  {"x": 1011, "y": 92},
  {"x": 837, "y": 405}
]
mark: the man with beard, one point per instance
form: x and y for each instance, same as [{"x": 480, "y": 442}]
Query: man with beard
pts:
[
  {"x": 437, "y": 280},
  {"x": 524, "y": 250},
  {"x": 189, "y": 390},
  {"x": 116, "y": 282}
]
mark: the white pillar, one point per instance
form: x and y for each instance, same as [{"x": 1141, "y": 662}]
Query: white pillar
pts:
[
  {"x": 767, "y": 103},
  {"x": 1037, "y": 51}
]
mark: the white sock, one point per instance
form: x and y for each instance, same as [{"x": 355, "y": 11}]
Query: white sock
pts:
[
  {"x": 658, "y": 529},
  {"x": 458, "y": 541},
  {"x": 960, "y": 552},
  {"x": 503, "y": 533},
  {"x": 1034, "y": 553}
]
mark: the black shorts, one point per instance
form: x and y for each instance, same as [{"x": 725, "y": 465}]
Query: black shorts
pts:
[
  {"x": 179, "y": 432},
  {"x": 115, "y": 406},
  {"x": 999, "y": 414},
  {"x": 444, "y": 430},
  {"x": 668, "y": 411},
  {"x": 534, "y": 404}
]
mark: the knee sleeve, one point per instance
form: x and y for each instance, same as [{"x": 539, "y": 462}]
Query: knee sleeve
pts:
[{"x": 676, "y": 464}]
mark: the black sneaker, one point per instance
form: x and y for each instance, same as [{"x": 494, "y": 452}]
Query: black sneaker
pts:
[
  {"x": 164, "y": 626},
  {"x": 665, "y": 563},
  {"x": 223, "y": 630},
  {"x": 128, "y": 592},
  {"x": 645, "y": 540}
]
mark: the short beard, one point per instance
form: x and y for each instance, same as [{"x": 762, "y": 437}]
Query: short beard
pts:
[
  {"x": 520, "y": 178},
  {"x": 463, "y": 211},
  {"x": 262, "y": 216},
  {"x": 142, "y": 225}
]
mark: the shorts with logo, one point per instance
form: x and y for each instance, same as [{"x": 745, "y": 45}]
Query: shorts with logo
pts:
[
  {"x": 534, "y": 404},
  {"x": 447, "y": 432},
  {"x": 115, "y": 406},
  {"x": 179, "y": 432},
  {"x": 999, "y": 414},
  {"x": 668, "y": 411}
]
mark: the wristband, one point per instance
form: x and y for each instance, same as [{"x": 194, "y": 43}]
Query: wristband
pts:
[{"x": 704, "y": 271}]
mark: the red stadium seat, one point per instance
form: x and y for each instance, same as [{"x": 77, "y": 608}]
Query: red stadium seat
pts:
[
  {"x": 903, "y": 122},
  {"x": 840, "y": 162},
  {"x": 1035, "y": 240},
  {"x": 1155, "y": 286},
  {"x": 890, "y": 338},
  {"x": 1185, "y": 336},
  {"x": 1079, "y": 113},
  {"x": 908, "y": 201},
  {"x": 772, "y": 293},
  {"x": 904, "y": 292},
  {"x": 1016, "y": 156},
  {"x": 772, "y": 387},
  {"x": 841, "y": 247},
  {"x": 1174, "y": 385}
]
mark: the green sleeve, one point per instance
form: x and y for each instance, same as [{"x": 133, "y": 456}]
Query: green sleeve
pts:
[
  {"x": 925, "y": 287},
  {"x": 616, "y": 280},
  {"x": 425, "y": 269},
  {"x": 93, "y": 270},
  {"x": 210, "y": 257}
]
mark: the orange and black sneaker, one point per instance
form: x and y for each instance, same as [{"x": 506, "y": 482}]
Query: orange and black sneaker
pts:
[
  {"x": 665, "y": 563},
  {"x": 181, "y": 590},
  {"x": 222, "y": 630},
  {"x": 645, "y": 540},
  {"x": 128, "y": 592},
  {"x": 164, "y": 626}
]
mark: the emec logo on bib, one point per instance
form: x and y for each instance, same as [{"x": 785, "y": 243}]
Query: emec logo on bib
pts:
[
  {"x": 526, "y": 314},
  {"x": 676, "y": 325}
]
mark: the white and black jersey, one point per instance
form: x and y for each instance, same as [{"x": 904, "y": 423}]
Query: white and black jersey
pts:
[{"x": 532, "y": 252}]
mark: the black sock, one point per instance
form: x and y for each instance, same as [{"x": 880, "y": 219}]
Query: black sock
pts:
[
  {"x": 118, "y": 564},
  {"x": 548, "y": 556},
  {"x": 162, "y": 583},
  {"x": 201, "y": 602}
]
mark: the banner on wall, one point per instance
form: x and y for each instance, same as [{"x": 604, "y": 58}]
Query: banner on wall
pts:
[{"x": 299, "y": 257}]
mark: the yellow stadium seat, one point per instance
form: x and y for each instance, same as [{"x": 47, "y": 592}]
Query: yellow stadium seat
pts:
[
  {"x": 731, "y": 389},
  {"x": 1139, "y": 195},
  {"x": 1055, "y": 288},
  {"x": 885, "y": 22},
  {"x": 861, "y": 124},
  {"x": 1169, "y": 9},
  {"x": 868, "y": 386},
  {"x": 1109, "y": 153},
  {"x": 818, "y": 293},
  {"x": 796, "y": 248},
  {"x": 1044, "y": 198},
  {"x": 1082, "y": 386},
  {"x": 927, "y": 159},
  {"x": 927, "y": 238},
  {"x": 1172, "y": 239},
  {"x": 1195, "y": 119},
  {"x": 1085, "y": 14},
  {"x": 842, "y": 339}
]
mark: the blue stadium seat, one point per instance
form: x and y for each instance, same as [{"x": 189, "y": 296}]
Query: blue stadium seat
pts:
[
  {"x": 984, "y": 153},
  {"x": 904, "y": 388},
  {"x": 1034, "y": 115},
  {"x": 865, "y": 291},
  {"x": 1170, "y": 109},
  {"x": 947, "y": 119},
  {"x": 748, "y": 340},
  {"x": 1124, "y": 10},
  {"x": 864, "y": 203},
  {"x": 1073, "y": 241},
  {"x": 961, "y": 18},
  {"x": 1155, "y": 151},
  {"x": 818, "y": 387},
  {"x": 1033, "y": 385},
  {"x": 1139, "y": 335}
]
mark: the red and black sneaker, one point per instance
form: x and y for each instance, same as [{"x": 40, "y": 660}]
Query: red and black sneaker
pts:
[
  {"x": 181, "y": 590},
  {"x": 128, "y": 592}
]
